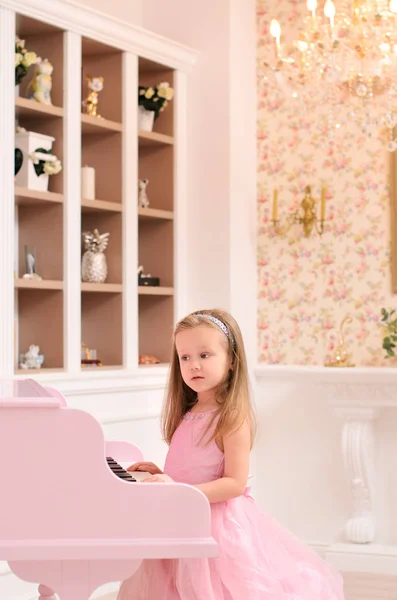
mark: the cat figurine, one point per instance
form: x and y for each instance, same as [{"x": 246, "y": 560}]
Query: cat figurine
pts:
[
  {"x": 95, "y": 84},
  {"x": 41, "y": 84}
]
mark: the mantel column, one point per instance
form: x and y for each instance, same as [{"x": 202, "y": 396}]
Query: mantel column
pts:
[{"x": 358, "y": 446}]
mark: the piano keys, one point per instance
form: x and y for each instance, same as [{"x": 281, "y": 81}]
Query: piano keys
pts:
[{"x": 71, "y": 524}]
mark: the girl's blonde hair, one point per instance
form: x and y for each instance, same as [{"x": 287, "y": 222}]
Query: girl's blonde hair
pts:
[{"x": 232, "y": 396}]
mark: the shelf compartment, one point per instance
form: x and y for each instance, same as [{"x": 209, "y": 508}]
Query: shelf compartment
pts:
[
  {"x": 156, "y": 249},
  {"x": 27, "y": 197},
  {"x": 156, "y": 315},
  {"x": 108, "y": 222},
  {"x": 34, "y": 284},
  {"x": 100, "y": 205},
  {"x": 157, "y": 165},
  {"x": 152, "y": 138},
  {"x": 101, "y": 287},
  {"x": 93, "y": 125},
  {"x": 41, "y": 322},
  {"x": 25, "y": 107},
  {"x": 104, "y": 153},
  {"x": 102, "y": 60},
  {"x": 48, "y": 42},
  {"x": 152, "y": 73},
  {"x": 151, "y": 290},
  {"x": 41, "y": 227},
  {"x": 101, "y": 326}
]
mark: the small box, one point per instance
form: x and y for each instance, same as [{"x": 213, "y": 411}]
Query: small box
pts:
[{"x": 148, "y": 281}]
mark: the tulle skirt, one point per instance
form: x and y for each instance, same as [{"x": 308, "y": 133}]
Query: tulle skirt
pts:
[{"x": 258, "y": 560}]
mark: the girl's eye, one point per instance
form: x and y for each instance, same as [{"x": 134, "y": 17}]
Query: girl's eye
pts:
[
  {"x": 204, "y": 355},
  {"x": 184, "y": 358}
]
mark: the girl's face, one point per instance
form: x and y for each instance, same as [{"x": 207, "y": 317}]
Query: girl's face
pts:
[{"x": 203, "y": 358}]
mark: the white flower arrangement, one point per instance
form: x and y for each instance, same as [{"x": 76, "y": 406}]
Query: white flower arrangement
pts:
[
  {"x": 155, "y": 98},
  {"x": 23, "y": 60},
  {"x": 45, "y": 163}
]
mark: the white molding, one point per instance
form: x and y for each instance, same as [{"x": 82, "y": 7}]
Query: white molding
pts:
[
  {"x": 356, "y": 395},
  {"x": 181, "y": 198},
  {"x": 105, "y": 382},
  {"x": 130, "y": 211},
  {"x": 72, "y": 202},
  {"x": 90, "y": 23},
  {"x": 7, "y": 205},
  {"x": 372, "y": 558}
]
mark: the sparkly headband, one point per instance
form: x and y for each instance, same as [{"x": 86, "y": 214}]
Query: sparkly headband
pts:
[{"x": 220, "y": 324}]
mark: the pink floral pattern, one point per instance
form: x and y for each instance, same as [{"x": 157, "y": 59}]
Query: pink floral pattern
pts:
[{"x": 308, "y": 285}]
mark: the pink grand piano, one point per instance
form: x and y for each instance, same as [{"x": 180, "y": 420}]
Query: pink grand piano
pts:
[{"x": 67, "y": 520}]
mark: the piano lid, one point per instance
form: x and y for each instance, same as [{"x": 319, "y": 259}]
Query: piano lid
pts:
[{"x": 25, "y": 393}]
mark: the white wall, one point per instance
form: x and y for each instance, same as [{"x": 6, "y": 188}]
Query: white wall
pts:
[
  {"x": 221, "y": 151},
  {"x": 125, "y": 10}
]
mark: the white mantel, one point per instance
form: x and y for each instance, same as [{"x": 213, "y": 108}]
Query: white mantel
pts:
[{"x": 354, "y": 406}]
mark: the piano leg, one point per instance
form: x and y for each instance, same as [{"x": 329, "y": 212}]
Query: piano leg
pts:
[
  {"x": 46, "y": 593},
  {"x": 73, "y": 579}
]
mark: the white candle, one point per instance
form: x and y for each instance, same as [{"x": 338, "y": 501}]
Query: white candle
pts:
[{"x": 88, "y": 183}]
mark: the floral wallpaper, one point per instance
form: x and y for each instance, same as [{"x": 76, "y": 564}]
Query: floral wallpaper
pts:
[{"x": 308, "y": 285}]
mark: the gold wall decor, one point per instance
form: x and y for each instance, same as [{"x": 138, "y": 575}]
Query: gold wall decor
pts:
[{"x": 305, "y": 215}]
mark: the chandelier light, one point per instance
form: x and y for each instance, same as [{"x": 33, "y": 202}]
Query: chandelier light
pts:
[{"x": 345, "y": 53}]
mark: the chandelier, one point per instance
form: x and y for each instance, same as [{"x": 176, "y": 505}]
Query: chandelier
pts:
[{"x": 345, "y": 53}]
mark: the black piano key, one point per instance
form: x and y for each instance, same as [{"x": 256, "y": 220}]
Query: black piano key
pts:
[{"x": 118, "y": 470}]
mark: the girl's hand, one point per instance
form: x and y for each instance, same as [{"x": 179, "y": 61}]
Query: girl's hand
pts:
[
  {"x": 145, "y": 466},
  {"x": 161, "y": 478}
]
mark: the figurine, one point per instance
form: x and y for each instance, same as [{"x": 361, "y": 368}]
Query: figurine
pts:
[
  {"x": 30, "y": 265},
  {"x": 95, "y": 84},
  {"x": 93, "y": 265},
  {"x": 143, "y": 200},
  {"x": 41, "y": 84},
  {"x": 146, "y": 359},
  {"x": 32, "y": 359}
]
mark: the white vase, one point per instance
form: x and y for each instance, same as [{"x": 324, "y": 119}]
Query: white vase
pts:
[
  {"x": 17, "y": 90},
  {"x": 145, "y": 119},
  {"x": 28, "y": 142}
]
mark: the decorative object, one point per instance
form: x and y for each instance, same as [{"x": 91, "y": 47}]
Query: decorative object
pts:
[
  {"x": 32, "y": 359},
  {"x": 88, "y": 183},
  {"x": 38, "y": 160},
  {"x": 346, "y": 56},
  {"x": 30, "y": 261},
  {"x": 41, "y": 84},
  {"x": 93, "y": 266},
  {"x": 342, "y": 358},
  {"x": 88, "y": 358},
  {"x": 18, "y": 160},
  {"x": 305, "y": 216},
  {"x": 146, "y": 359},
  {"x": 23, "y": 60},
  {"x": 95, "y": 84},
  {"x": 143, "y": 200},
  {"x": 145, "y": 119},
  {"x": 152, "y": 99},
  {"x": 147, "y": 279},
  {"x": 389, "y": 332}
]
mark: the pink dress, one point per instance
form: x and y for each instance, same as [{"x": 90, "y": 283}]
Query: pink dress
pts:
[{"x": 258, "y": 559}]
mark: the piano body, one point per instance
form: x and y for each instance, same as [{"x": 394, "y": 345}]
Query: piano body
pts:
[{"x": 66, "y": 520}]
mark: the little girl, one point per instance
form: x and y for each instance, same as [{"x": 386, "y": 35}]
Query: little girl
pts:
[{"x": 208, "y": 423}]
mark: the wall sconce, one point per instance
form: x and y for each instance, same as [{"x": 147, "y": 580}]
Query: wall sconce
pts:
[{"x": 305, "y": 215}]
